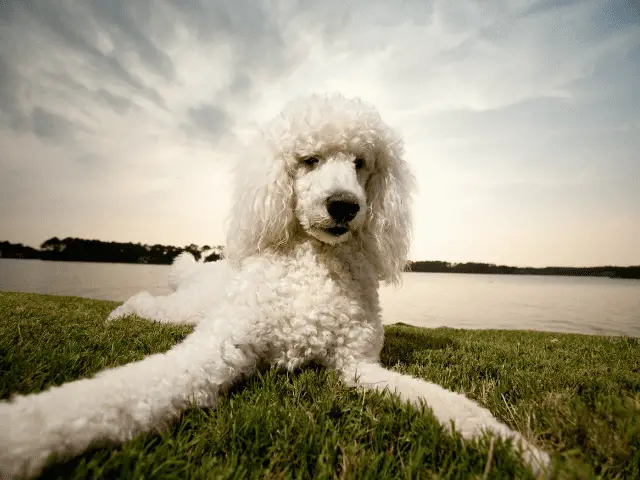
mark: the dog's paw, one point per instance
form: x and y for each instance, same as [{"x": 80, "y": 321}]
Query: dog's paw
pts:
[
  {"x": 538, "y": 460},
  {"x": 139, "y": 304},
  {"x": 532, "y": 456},
  {"x": 119, "y": 312},
  {"x": 20, "y": 453}
]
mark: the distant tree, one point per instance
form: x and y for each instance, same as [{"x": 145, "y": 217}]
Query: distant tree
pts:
[
  {"x": 79, "y": 249},
  {"x": 52, "y": 245},
  {"x": 213, "y": 257},
  {"x": 17, "y": 250}
]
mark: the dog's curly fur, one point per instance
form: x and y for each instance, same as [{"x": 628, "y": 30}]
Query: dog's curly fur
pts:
[{"x": 321, "y": 216}]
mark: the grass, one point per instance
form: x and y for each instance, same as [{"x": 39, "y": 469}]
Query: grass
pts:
[{"x": 576, "y": 396}]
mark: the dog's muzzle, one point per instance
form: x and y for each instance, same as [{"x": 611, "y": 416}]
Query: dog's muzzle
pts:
[{"x": 342, "y": 207}]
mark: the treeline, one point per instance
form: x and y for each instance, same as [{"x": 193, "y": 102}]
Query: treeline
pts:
[
  {"x": 489, "y": 268},
  {"x": 81, "y": 250}
]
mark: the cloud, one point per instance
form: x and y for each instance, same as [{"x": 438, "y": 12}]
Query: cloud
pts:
[
  {"x": 118, "y": 103},
  {"x": 6, "y": 87},
  {"x": 48, "y": 125},
  {"x": 121, "y": 20},
  {"x": 120, "y": 120},
  {"x": 211, "y": 120}
]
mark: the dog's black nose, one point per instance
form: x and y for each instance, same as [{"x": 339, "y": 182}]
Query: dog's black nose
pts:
[{"x": 343, "y": 207}]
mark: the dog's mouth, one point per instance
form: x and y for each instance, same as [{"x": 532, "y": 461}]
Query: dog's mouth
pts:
[{"x": 336, "y": 231}]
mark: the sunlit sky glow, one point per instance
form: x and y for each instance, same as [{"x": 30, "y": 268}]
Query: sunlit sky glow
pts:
[{"x": 120, "y": 120}]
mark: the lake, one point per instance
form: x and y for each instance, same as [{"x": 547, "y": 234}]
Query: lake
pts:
[{"x": 561, "y": 304}]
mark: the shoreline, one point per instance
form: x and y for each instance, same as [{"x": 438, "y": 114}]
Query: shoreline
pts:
[{"x": 613, "y": 273}]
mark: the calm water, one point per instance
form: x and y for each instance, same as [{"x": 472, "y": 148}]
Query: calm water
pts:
[{"x": 562, "y": 304}]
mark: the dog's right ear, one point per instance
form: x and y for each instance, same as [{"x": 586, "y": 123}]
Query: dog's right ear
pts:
[{"x": 262, "y": 214}]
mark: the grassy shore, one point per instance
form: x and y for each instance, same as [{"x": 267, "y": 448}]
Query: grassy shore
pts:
[{"x": 576, "y": 396}]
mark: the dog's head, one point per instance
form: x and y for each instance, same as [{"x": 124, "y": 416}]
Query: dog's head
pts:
[{"x": 327, "y": 167}]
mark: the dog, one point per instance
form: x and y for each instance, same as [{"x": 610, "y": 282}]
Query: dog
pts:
[{"x": 321, "y": 215}]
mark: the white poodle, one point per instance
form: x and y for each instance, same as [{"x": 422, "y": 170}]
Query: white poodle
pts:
[{"x": 321, "y": 215}]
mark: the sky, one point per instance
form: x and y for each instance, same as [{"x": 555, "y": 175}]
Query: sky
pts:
[{"x": 120, "y": 120}]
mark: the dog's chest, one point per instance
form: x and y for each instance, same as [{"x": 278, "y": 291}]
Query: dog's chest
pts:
[{"x": 318, "y": 311}]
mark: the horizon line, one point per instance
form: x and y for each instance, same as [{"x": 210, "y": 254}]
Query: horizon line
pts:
[{"x": 409, "y": 261}]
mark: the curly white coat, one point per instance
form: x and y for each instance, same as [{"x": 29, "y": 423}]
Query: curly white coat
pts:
[{"x": 299, "y": 285}]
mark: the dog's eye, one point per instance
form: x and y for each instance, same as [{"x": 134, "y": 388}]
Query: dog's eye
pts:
[
  {"x": 359, "y": 163},
  {"x": 310, "y": 161}
]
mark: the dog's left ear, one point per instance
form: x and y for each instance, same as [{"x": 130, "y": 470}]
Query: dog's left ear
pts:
[
  {"x": 262, "y": 216},
  {"x": 388, "y": 226}
]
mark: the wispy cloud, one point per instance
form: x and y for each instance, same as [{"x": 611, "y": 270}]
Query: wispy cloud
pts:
[{"x": 119, "y": 120}]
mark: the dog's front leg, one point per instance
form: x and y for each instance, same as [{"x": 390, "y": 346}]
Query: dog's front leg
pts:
[
  {"x": 117, "y": 404},
  {"x": 469, "y": 418}
]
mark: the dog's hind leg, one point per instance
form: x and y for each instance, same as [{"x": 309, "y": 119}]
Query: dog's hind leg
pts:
[
  {"x": 180, "y": 308},
  {"x": 197, "y": 288},
  {"x": 469, "y": 418},
  {"x": 117, "y": 404}
]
